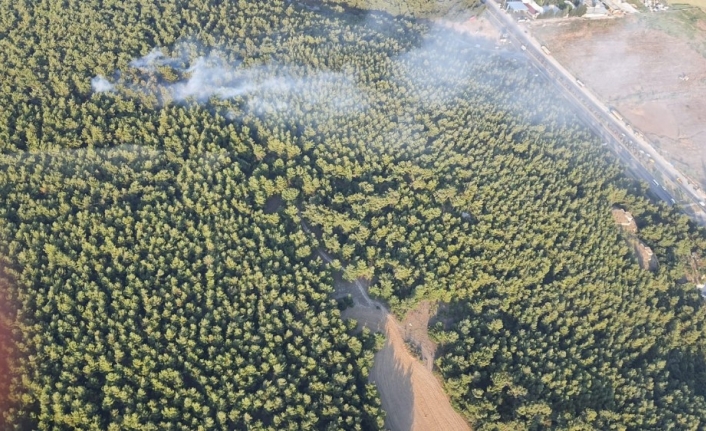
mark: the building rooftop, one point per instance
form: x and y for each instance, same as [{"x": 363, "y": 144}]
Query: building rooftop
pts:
[
  {"x": 533, "y": 6},
  {"x": 516, "y": 6}
]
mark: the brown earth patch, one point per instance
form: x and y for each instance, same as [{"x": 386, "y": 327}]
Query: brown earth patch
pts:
[
  {"x": 411, "y": 394},
  {"x": 645, "y": 257},
  {"x": 624, "y": 219},
  {"x": 655, "y": 118},
  {"x": 415, "y": 330}
]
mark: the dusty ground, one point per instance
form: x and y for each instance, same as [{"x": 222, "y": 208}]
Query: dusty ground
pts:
[
  {"x": 411, "y": 395},
  {"x": 698, "y": 3},
  {"x": 624, "y": 219},
  {"x": 634, "y": 64},
  {"x": 645, "y": 258},
  {"x": 415, "y": 330}
]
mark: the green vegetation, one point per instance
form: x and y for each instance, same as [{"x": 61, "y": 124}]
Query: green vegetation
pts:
[
  {"x": 684, "y": 22},
  {"x": 415, "y": 8},
  {"x": 153, "y": 248},
  {"x": 587, "y": 342},
  {"x": 689, "y": 3}
]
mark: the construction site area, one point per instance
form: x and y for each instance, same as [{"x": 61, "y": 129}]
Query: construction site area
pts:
[{"x": 651, "y": 68}]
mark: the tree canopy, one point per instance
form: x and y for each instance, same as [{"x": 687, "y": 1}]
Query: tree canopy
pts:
[{"x": 158, "y": 160}]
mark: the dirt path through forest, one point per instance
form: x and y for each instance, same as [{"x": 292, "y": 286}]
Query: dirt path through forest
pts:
[{"x": 412, "y": 397}]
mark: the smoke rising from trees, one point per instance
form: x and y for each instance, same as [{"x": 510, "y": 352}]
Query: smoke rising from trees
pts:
[
  {"x": 266, "y": 88},
  {"x": 101, "y": 85}
]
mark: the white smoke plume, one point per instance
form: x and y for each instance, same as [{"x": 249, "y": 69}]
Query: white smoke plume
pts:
[
  {"x": 148, "y": 61},
  {"x": 101, "y": 85},
  {"x": 210, "y": 77},
  {"x": 263, "y": 88}
]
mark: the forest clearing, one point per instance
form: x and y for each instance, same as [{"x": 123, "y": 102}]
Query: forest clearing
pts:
[
  {"x": 411, "y": 394},
  {"x": 644, "y": 255}
]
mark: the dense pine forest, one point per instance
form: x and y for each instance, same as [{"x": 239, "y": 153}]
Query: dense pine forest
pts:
[{"x": 158, "y": 164}]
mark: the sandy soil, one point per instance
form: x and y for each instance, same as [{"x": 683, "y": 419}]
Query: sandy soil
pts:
[
  {"x": 645, "y": 258},
  {"x": 634, "y": 64},
  {"x": 411, "y": 395},
  {"x": 624, "y": 219},
  {"x": 415, "y": 330}
]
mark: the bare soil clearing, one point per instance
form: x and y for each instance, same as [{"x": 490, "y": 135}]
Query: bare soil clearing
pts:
[
  {"x": 645, "y": 257},
  {"x": 411, "y": 394},
  {"x": 698, "y": 3},
  {"x": 635, "y": 65},
  {"x": 415, "y": 330},
  {"x": 624, "y": 219}
]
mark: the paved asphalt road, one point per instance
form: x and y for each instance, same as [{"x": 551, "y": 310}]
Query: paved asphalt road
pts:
[{"x": 624, "y": 142}]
